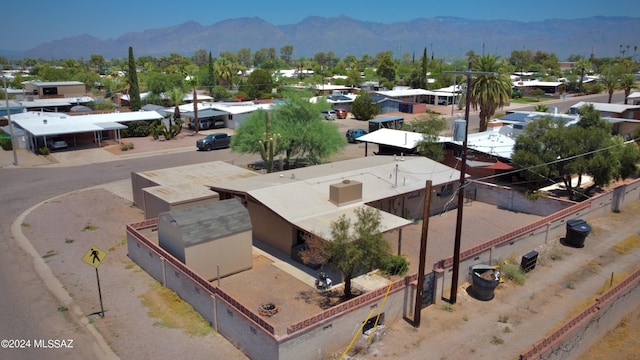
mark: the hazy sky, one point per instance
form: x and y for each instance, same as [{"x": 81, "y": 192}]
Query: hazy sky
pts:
[{"x": 28, "y": 24}]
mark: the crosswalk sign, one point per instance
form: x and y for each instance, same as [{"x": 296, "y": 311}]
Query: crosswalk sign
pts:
[{"x": 94, "y": 257}]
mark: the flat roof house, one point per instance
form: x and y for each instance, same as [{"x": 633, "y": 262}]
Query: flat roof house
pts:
[
  {"x": 55, "y": 89},
  {"x": 287, "y": 206}
]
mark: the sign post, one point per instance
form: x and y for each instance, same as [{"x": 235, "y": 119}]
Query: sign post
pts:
[{"x": 94, "y": 257}]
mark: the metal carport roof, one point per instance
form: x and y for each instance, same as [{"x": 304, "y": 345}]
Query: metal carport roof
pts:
[{"x": 48, "y": 124}]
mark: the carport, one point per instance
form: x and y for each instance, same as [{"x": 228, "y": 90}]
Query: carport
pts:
[
  {"x": 392, "y": 142},
  {"x": 40, "y": 127}
]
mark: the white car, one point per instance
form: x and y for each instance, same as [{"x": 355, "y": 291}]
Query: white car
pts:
[
  {"x": 57, "y": 144},
  {"x": 329, "y": 115}
]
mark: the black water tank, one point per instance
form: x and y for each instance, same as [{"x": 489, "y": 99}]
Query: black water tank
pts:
[
  {"x": 577, "y": 232},
  {"x": 484, "y": 281}
]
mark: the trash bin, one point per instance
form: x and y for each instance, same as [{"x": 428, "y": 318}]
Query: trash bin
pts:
[
  {"x": 484, "y": 281},
  {"x": 577, "y": 231}
]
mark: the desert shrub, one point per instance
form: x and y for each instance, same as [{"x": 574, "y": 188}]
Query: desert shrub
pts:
[
  {"x": 44, "y": 151},
  {"x": 126, "y": 146},
  {"x": 136, "y": 129},
  {"x": 513, "y": 272},
  {"x": 396, "y": 265},
  {"x": 6, "y": 144}
]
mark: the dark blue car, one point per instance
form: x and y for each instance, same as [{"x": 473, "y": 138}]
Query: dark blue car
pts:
[{"x": 353, "y": 134}]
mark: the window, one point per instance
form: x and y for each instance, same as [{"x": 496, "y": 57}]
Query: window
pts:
[{"x": 49, "y": 91}]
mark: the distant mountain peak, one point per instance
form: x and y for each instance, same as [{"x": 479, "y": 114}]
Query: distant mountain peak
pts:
[{"x": 448, "y": 37}]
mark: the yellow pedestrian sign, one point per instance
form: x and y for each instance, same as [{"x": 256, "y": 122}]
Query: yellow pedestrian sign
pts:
[{"x": 94, "y": 256}]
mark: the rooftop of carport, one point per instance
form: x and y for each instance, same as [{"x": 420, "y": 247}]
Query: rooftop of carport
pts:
[{"x": 58, "y": 123}]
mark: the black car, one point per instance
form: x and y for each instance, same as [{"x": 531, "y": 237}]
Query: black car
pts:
[{"x": 214, "y": 141}]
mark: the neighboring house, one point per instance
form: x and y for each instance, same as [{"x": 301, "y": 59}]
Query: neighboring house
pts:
[
  {"x": 288, "y": 206},
  {"x": 212, "y": 239},
  {"x": 162, "y": 190},
  {"x": 40, "y": 127},
  {"x": 53, "y": 104},
  {"x": 14, "y": 107},
  {"x": 625, "y": 111},
  {"x": 488, "y": 153},
  {"x": 549, "y": 87},
  {"x": 625, "y": 118},
  {"x": 634, "y": 97},
  {"x": 55, "y": 89}
]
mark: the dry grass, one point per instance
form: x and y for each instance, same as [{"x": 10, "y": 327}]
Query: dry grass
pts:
[
  {"x": 620, "y": 343},
  {"x": 628, "y": 244},
  {"x": 173, "y": 312}
]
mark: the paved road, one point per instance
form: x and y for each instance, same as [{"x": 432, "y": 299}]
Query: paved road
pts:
[{"x": 28, "y": 309}]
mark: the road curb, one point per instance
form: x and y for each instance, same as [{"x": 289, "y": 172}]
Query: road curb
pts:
[{"x": 100, "y": 348}]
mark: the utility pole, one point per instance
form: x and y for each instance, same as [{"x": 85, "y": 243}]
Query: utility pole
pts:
[
  {"x": 463, "y": 168},
  {"x": 423, "y": 254},
  {"x": 14, "y": 143}
]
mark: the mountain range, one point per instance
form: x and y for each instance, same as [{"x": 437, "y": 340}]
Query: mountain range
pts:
[{"x": 444, "y": 37}]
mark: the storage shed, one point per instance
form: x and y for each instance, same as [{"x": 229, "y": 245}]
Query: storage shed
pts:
[{"x": 209, "y": 238}]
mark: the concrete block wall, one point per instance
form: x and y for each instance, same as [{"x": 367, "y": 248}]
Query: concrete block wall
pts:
[
  {"x": 331, "y": 336},
  {"x": 507, "y": 198},
  {"x": 572, "y": 339}
]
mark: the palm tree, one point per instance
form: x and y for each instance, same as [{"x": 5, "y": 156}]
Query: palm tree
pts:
[
  {"x": 541, "y": 108},
  {"x": 224, "y": 70},
  {"x": 610, "y": 81},
  {"x": 581, "y": 67},
  {"x": 176, "y": 95},
  {"x": 627, "y": 82},
  {"x": 489, "y": 92}
]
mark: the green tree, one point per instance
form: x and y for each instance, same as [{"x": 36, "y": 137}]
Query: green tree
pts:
[
  {"x": 363, "y": 107},
  {"x": 430, "y": 125},
  {"x": 244, "y": 57},
  {"x": 211, "y": 75},
  {"x": 302, "y": 132},
  {"x": 176, "y": 96},
  {"x": 134, "y": 86},
  {"x": 353, "y": 77},
  {"x": 352, "y": 247},
  {"x": 580, "y": 68},
  {"x": 285, "y": 54},
  {"x": 548, "y": 149},
  {"x": 258, "y": 83},
  {"x": 200, "y": 57},
  {"x": 610, "y": 81},
  {"x": 541, "y": 108},
  {"x": 224, "y": 71},
  {"x": 422, "y": 76},
  {"x": 97, "y": 62},
  {"x": 387, "y": 69},
  {"x": 489, "y": 92},
  {"x": 537, "y": 92}
]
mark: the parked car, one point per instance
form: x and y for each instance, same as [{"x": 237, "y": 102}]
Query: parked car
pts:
[
  {"x": 214, "y": 141},
  {"x": 341, "y": 114},
  {"x": 57, "y": 145},
  {"x": 329, "y": 115},
  {"x": 354, "y": 134},
  {"x": 206, "y": 124}
]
